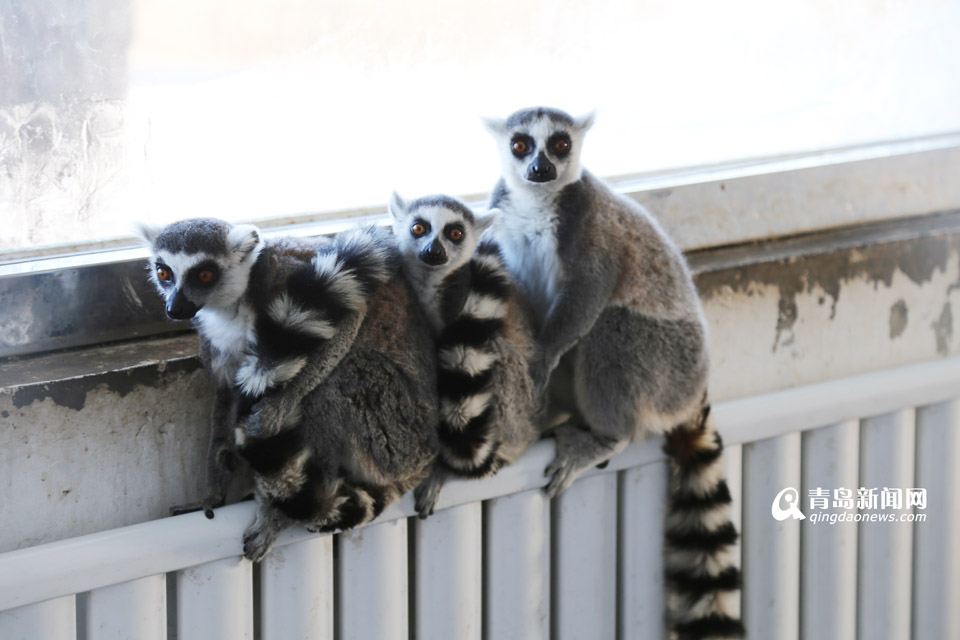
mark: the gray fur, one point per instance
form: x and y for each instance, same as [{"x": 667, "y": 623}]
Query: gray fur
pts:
[
  {"x": 621, "y": 279},
  {"x": 621, "y": 348},
  {"x": 197, "y": 235},
  {"x": 373, "y": 420},
  {"x": 446, "y": 294},
  {"x": 360, "y": 401},
  {"x": 438, "y": 211}
]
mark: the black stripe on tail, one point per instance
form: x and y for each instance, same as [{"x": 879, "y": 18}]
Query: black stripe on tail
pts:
[
  {"x": 314, "y": 301},
  {"x": 468, "y": 443},
  {"x": 700, "y": 571}
]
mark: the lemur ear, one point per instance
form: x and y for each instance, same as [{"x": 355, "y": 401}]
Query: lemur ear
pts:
[
  {"x": 242, "y": 238},
  {"x": 484, "y": 220},
  {"x": 147, "y": 232},
  {"x": 496, "y": 126},
  {"x": 398, "y": 208},
  {"x": 585, "y": 121}
]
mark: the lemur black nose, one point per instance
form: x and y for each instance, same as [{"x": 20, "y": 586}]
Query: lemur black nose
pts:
[
  {"x": 436, "y": 249},
  {"x": 541, "y": 169},
  {"x": 179, "y": 307},
  {"x": 435, "y": 254}
]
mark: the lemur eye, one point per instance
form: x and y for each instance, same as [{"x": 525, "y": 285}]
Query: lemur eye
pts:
[
  {"x": 205, "y": 276},
  {"x": 456, "y": 235},
  {"x": 418, "y": 229},
  {"x": 519, "y": 146},
  {"x": 163, "y": 273},
  {"x": 561, "y": 146}
]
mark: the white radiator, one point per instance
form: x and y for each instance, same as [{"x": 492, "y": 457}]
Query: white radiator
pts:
[{"x": 501, "y": 561}]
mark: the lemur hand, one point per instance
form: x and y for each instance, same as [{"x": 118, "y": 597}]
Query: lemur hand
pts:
[{"x": 265, "y": 419}]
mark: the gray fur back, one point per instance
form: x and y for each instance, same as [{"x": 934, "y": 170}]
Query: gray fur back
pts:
[{"x": 375, "y": 416}]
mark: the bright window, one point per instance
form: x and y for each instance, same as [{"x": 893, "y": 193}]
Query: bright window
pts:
[{"x": 251, "y": 109}]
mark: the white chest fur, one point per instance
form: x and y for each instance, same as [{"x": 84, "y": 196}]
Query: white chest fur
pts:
[
  {"x": 427, "y": 287},
  {"x": 527, "y": 235},
  {"x": 230, "y": 333}
]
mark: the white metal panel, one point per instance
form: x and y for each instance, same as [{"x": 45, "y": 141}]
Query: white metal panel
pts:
[
  {"x": 215, "y": 601},
  {"x": 828, "y": 552},
  {"x": 936, "y": 578},
  {"x": 885, "y": 549},
  {"x": 49, "y": 620},
  {"x": 830, "y": 402},
  {"x": 111, "y": 557},
  {"x": 771, "y": 549},
  {"x": 643, "y": 503},
  {"x": 449, "y": 574},
  {"x": 134, "y": 610},
  {"x": 585, "y": 560},
  {"x": 372, "y": 583},
  {"x": 89, "y": 562},
  {"x": 296, "y": 591},
  {"x": 516, "y": 554}
]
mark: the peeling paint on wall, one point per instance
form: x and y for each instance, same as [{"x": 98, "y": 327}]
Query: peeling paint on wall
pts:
[
  {"x": 943, "y": 330},
  {"x": 898, "y": 318},
  {"x": 917, "y": 258},
  {"x": 72, "y": 393}
]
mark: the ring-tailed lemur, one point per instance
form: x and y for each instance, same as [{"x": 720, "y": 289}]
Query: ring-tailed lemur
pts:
[
  {"x": 322, "y": 364},
  {"x": 484, "y": 340},
  {"x": 622, "y": 341}
]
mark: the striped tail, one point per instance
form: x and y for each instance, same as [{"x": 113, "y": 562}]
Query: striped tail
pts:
[
  {"x": 307, "y": 313},
  {"x": 288, "y": 476},
  {"x": 359, "y": 503},
  {"x": 316, "y": 298},
  {"x": 700, "y": 569},
  {"x": 466, "y": 361}
]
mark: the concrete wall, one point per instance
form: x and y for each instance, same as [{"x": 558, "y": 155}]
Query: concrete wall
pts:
[{"x": 99, "y": 438}]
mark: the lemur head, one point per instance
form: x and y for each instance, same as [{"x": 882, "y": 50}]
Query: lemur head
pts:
[
  {"x": 200, "y": 263},
  {"x": 437, "y": 232},
  {"x": 540, "y": 147}
]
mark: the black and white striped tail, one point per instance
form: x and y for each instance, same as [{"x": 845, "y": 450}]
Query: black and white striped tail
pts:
[
  {"x": 287, "y": 476},
  {"x": 359, "y": 503},
  {"x": 701, "y": 573},
  {"x": 465, "y": 369},
  {"x": 337, "y": 282}
]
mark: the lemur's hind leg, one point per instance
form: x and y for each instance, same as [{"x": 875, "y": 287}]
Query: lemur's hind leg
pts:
[
  {"x": 632, "y": 376},
  {"x": 260, "y": 536},
  {"x": 578, "y": 448}
]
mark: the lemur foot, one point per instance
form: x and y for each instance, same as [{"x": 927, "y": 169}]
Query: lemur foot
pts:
[
  {"x": 426, "y": 496},
  {"x": 257, "y": 542},
  {"x": 563, "y": 471},
  {"x": 578, "y": 449}
]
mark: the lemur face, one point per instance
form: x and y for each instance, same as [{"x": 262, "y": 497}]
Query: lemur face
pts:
[
  {"x": 437, "y": 231},
  {"x": 540, "y": 147},
  {"x": 200, "y": 263}
]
